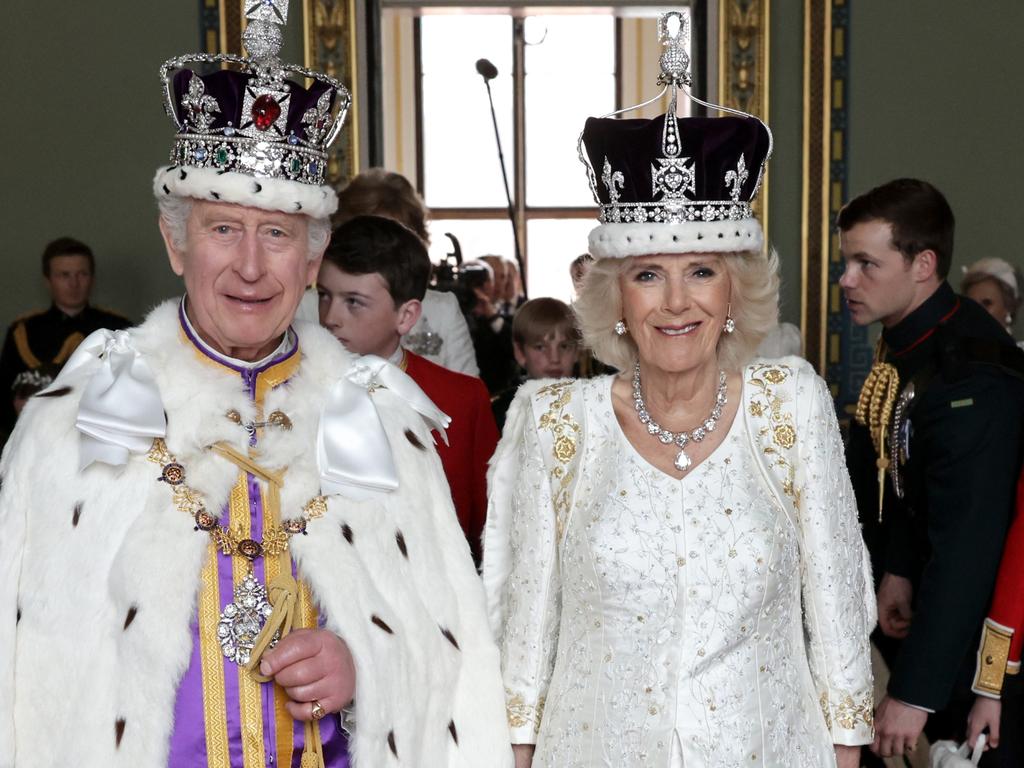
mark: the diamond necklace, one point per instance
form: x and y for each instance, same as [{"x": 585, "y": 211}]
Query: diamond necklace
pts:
[{"x": 682, "y": 439}]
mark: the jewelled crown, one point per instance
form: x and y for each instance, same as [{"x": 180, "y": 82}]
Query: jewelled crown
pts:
[
  {"x": 251, "y": 135},
  {"x": 675, "y": 185}
]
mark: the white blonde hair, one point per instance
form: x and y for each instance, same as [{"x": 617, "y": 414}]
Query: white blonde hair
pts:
[
  {"x": 754, "y": 278},
  {"x": 175, "y": 210}
]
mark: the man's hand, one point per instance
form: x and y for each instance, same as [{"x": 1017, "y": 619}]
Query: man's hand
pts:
[
  {"x": 894, "y": 614},
  {"x": 984, "y": 714},
  {"x": 312, "y": 665},
  {"x": 847, "y": 757},
  {"x": 897, "y": 727}
]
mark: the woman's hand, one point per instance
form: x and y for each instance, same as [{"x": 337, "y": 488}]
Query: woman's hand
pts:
[
  {"x": 312, "y": 665},
  {"x": 523, "y": 754},
  {"x": 984, "y": 714},
  {"x": 846, "y": 757}
]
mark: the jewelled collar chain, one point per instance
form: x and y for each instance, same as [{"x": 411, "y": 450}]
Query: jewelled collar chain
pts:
[
  {"x": 874, "y": 411},
  {"x": 231, "y": 542},
  {"x": 682, "y": 461}
]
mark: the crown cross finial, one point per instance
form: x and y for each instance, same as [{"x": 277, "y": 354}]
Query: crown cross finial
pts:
[
  {"x": 274, "y": 11},
  {"x": 674, "y": 34},
  {"x": 263, "y": 36}
]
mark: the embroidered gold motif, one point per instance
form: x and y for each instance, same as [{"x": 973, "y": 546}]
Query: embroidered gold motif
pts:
[
  {"x": 767, "y": 403},
  {"x": 564, "y": 432},
  {"x": 847, "y": 712},
  {"x": 992, "y": 658},
  {"x": 784, "y": 436},
  {"x": 520, "y": 713}
]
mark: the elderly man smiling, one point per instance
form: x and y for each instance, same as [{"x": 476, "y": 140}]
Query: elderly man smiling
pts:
[{"x": 219, "y": 528}]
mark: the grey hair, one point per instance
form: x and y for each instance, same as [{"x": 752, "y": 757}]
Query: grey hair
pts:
[
  {"x": 175, "y": 211},
  {"x": 754, "y": 278}
]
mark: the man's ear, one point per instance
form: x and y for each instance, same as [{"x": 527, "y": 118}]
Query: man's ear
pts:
[
  {"x": 925, "y": 265},
  {"x": 517, "y": 351},
  {"x": 408, "y": 314},
  {"x": 174, "y": 256},
  {"x": 313, "y": 269}
]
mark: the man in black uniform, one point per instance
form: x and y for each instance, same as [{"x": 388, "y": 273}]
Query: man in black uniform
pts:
[
  {"x": 934, "y": 458},
  {"x": 48, "y": 338}
]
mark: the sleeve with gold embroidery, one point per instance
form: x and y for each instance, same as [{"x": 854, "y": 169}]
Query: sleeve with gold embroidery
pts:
[
  {"x": 521, "y": 570},
  {"x": 839, "y": 606},
  {"x": 999, "y": 651}
]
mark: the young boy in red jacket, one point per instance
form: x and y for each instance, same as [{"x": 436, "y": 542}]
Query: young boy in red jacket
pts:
[{"x": 371, "y": 283}]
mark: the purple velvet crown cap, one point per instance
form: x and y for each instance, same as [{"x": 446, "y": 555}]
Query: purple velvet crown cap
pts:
[
  {"x": 228, "y": 88},
  {"x": 671, "y": 185},
  {"x": 710, "y": 146}
]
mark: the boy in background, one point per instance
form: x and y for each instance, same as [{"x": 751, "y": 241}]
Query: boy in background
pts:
[
  {"x": 545, "y": 343},
  {"x": 371, "y": 286}
]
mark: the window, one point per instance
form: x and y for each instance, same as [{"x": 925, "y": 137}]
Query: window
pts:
[
  {"x": 564, "y": 67},
  {"x": 554, "y": 70}
]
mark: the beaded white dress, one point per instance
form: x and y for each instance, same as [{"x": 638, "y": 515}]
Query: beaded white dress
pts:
[{"x": 659, "y": 622}]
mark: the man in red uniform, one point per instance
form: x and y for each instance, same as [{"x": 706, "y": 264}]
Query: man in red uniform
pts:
[{"x": 373, "y": 278}]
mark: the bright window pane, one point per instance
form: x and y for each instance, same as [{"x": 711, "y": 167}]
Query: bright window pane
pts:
[
  {"x": 478, "y": 237},
  {"x": 570, "y": 76},
  {"x": 460, "y": 158},
  {"x": 553, "y": 244}
]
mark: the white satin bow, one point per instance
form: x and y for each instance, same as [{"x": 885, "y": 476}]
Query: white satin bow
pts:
[
  {"x": 121, "y": 410},
  {"x": 353, "y": 453}
]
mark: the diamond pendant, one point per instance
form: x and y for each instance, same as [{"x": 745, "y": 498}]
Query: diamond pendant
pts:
[
  {"x": 682, "y": 462},
  {"x": 241, "y": 621}
]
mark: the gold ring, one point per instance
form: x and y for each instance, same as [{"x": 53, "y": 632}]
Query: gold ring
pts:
[{"x": 318, "y": 711}]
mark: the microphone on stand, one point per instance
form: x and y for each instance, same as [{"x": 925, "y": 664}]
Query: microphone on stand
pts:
[{"x": 488, "y": 72}]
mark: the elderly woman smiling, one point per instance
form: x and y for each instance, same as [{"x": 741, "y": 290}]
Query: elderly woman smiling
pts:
[{"x": 674, "y": 567}]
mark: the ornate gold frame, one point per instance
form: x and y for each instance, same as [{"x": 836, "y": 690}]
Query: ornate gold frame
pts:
[
  {"x": 743, "y": 57},
  {"x": 832, "y": 343},
  {"x": 331, "y": 46}
]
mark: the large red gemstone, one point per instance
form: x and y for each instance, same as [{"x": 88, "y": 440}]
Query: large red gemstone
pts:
[{"x": 265, "y": 111}]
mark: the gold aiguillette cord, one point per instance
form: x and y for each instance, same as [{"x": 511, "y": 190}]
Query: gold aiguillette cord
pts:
[{"x": 874, "y": 410}]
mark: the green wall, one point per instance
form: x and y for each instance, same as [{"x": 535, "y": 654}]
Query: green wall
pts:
[
  {"x": 83, "y": 132},
  {"x": 934, "y": 92},
  {"x": 785, "y": 74}
]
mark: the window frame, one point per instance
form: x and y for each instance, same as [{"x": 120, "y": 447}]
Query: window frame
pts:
[{"x": 522, "y": 212}]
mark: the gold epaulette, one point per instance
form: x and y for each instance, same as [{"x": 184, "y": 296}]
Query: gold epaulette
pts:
[
  {"x": 29, "y": 316},
  {"x": 993, "y": 655}
]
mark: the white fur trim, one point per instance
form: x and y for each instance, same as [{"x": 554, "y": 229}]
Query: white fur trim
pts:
[
  {"x": 233, "y": 187},
  {"x": 620, "y": 241}
]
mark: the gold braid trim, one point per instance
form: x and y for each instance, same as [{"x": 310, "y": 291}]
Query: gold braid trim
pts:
[{"x": 874, "y": 411}]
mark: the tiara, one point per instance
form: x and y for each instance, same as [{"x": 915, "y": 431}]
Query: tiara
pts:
[
  {"x": 254, "y": 120},
  {"x": 697, "y": 171}
]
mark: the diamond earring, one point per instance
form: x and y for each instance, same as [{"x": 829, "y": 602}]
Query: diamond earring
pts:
[
  {"x": 730, "y": 325},
  {"x": 620, "y": 328}
]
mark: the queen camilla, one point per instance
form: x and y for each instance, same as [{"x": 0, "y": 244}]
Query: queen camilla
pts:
[{"x": 674, "y": 567}]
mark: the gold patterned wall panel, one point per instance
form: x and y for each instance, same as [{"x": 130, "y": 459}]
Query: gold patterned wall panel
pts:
[
  {"x": 743, "y": 55},
  {"x": 330, "y": 38}
]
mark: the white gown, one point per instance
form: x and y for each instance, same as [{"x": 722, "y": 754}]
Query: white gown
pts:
[{"x": 663, "y": 625}]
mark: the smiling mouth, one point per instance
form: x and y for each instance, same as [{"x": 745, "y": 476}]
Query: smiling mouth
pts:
[
  {"x": 249, "y": 299},
  {"x": 683, "y": 330}
]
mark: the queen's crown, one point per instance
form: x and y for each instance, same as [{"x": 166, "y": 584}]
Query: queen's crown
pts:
[
  {"x": 675, "y": 170},
  {"x": 253, "y": 119}
]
